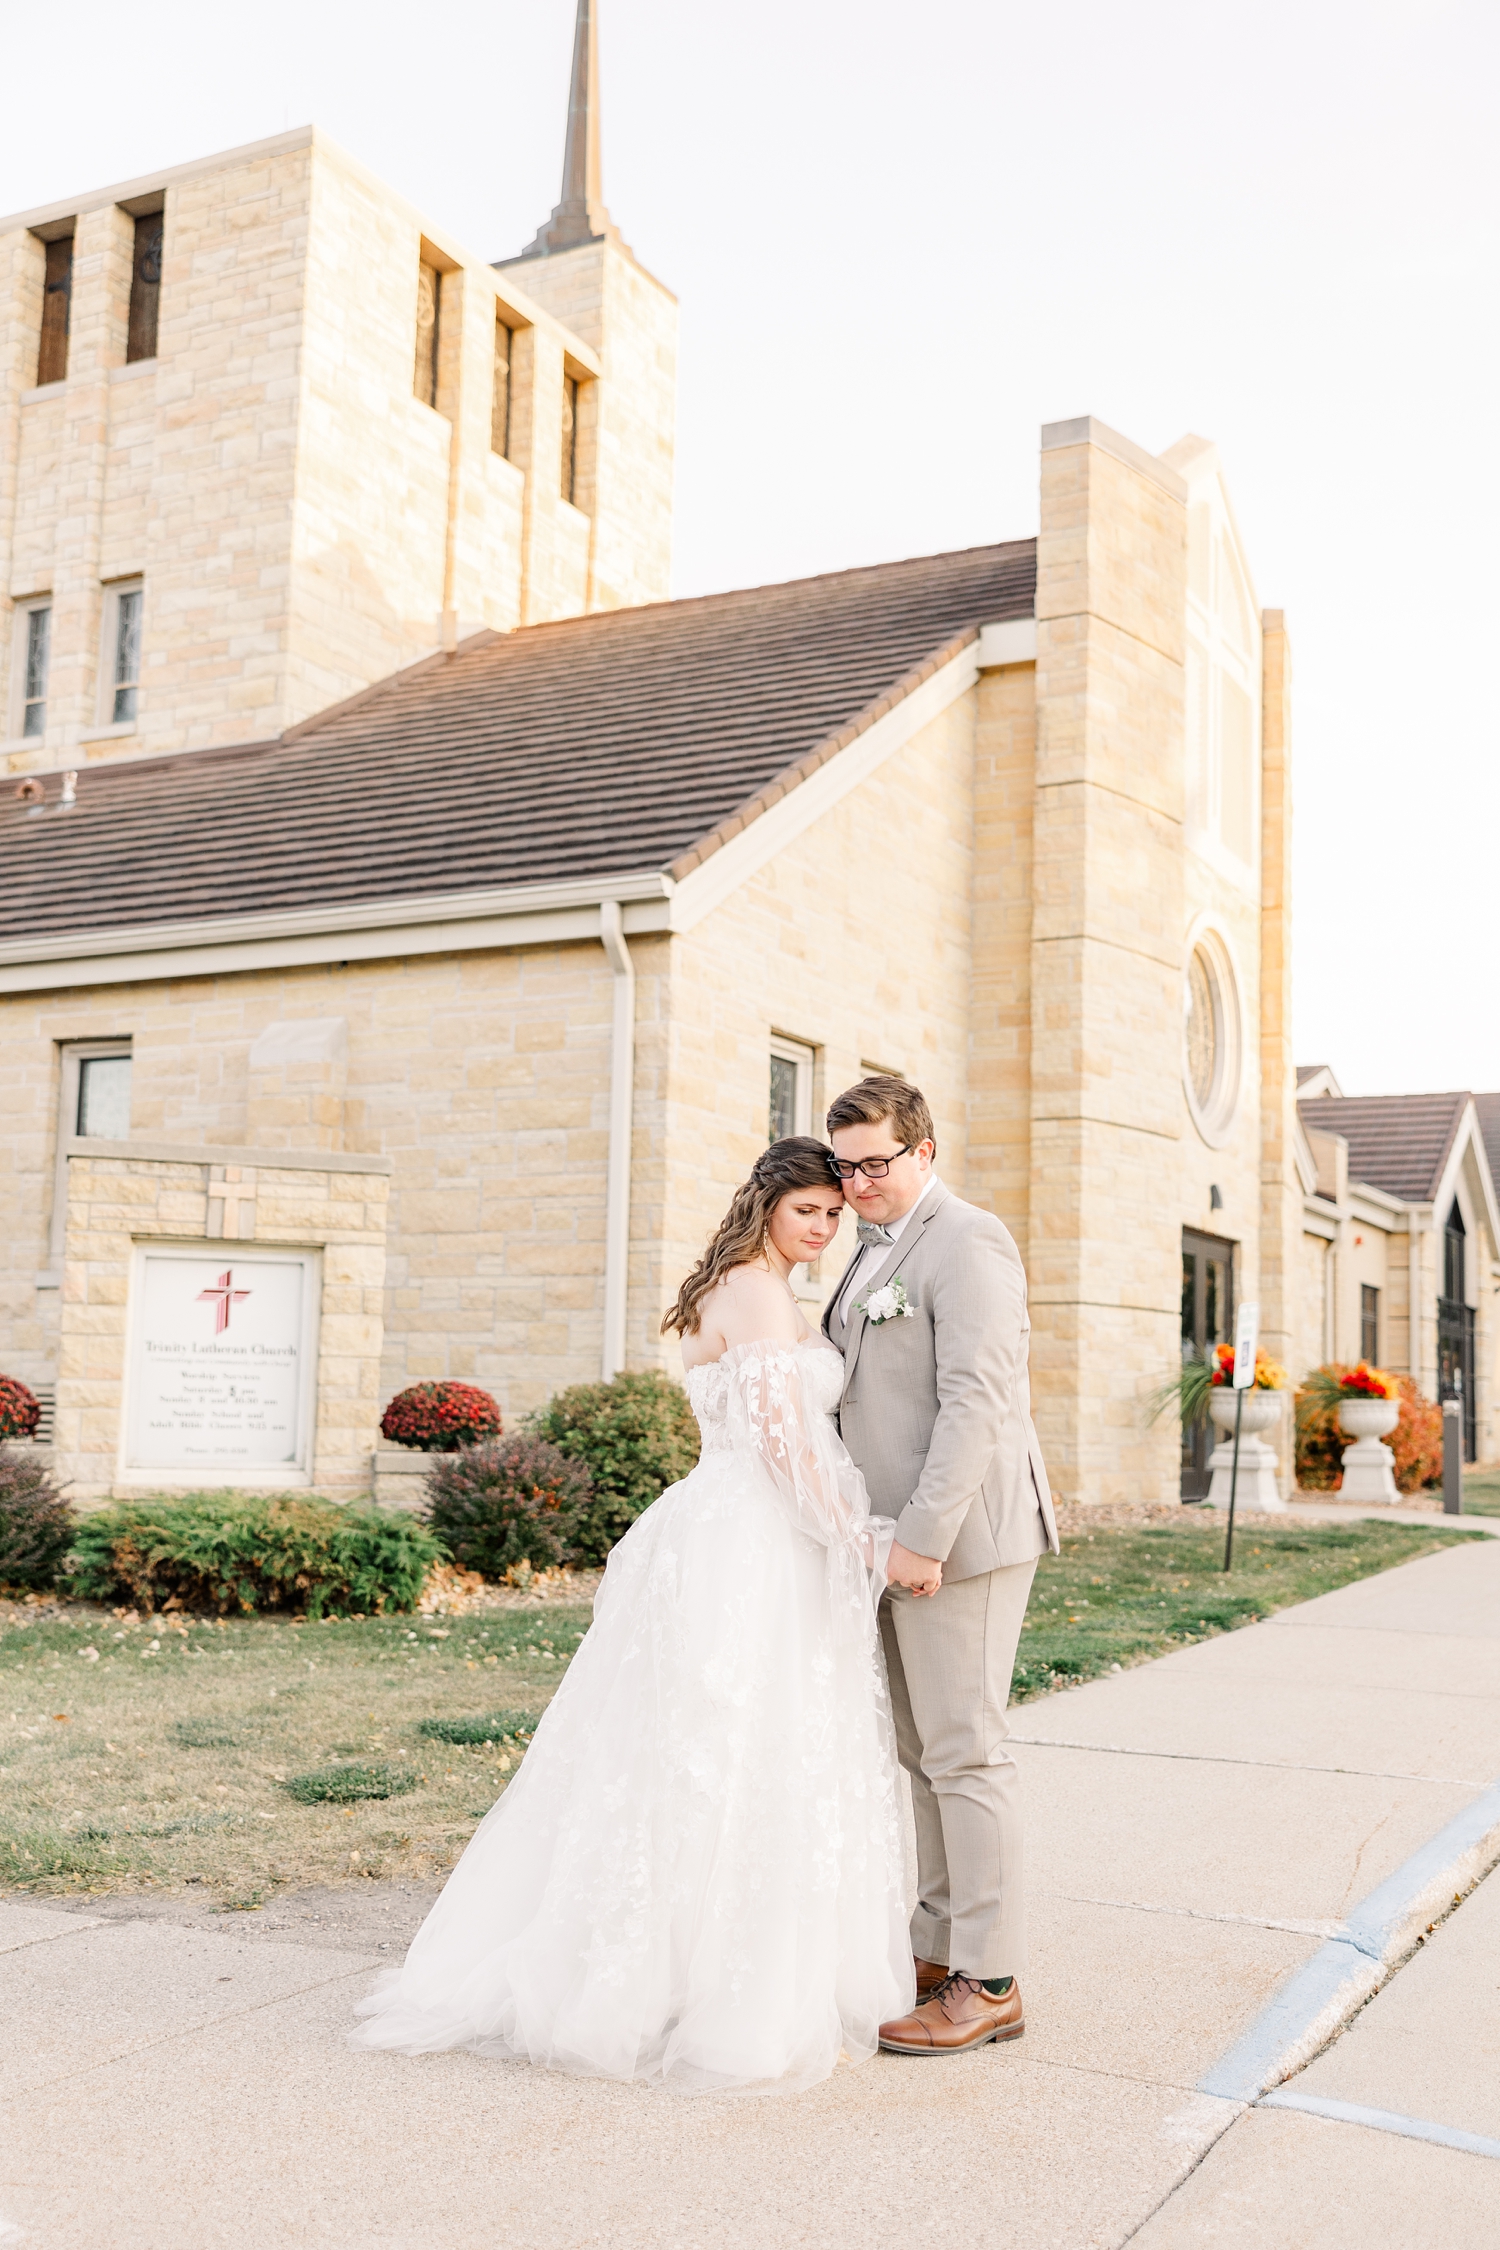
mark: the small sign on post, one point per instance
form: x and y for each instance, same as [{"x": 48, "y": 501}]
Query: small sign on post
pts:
[{"x": 1246, "y": 1342}]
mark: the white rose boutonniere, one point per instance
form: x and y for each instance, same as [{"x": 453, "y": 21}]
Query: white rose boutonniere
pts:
[{"x": 889, "y": 1303}]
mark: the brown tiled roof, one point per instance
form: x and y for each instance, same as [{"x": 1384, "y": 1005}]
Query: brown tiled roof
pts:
[
  {"x": 1488, "y": 1106},
  {"x": 597, "y": 746},
  {"x": 1399, "y": 1142},
  {"x": 1308, "y": 1070}
]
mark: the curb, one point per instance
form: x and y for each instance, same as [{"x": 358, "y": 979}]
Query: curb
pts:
[{"x": 1349, "y": 1969}]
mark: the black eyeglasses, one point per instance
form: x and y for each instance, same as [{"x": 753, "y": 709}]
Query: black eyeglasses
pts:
[{"x": 873, "y": 1167}]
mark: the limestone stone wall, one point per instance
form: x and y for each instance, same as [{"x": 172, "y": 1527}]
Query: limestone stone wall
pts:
[
  {"x": 483, "y": 1078},
  {"x": 1107, "y": 1108},
  {"x": 177, "y": 470},
  {"x": 854, "y": 940},
  {"x": 301, "y": 523},
  {"x": 998, "y": 1165},
  {"x": 600, "y": 293},
  {"x": 120, "y": 1195}
]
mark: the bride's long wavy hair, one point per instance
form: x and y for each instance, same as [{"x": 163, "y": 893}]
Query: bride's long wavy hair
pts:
[{"x": 796, "y": 1162}]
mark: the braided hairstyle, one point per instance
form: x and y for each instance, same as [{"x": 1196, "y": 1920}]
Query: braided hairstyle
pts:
[{"x": 796, "y": 1162}]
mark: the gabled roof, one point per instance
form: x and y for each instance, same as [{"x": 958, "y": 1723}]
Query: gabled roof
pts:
[
  {"x": 1488, "y": 1109},
  {"x": 620, "y": 743},
  {"x": 1399, "y": 1142},
  {"x": 1317, "y": 1078}
]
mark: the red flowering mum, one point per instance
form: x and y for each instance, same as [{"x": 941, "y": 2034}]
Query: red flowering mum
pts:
[
  {"x": 440, "y": 1417},
  {"x": 20, "y": 1409}
]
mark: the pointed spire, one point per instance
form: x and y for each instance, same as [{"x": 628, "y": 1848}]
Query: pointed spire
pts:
[{"x": 580, "y": 216}]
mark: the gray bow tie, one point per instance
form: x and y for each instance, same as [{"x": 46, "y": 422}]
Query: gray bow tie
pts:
[{"x": 870, "y": 1234}]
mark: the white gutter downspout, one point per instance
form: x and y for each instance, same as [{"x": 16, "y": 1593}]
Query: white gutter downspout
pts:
[{"x": 621, "y": 1108}]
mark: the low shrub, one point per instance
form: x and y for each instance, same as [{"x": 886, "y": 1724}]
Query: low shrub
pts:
[
  {"x": 224, "y": 1551},
  {"x": 440, "y": 1417},
  {"x": 36, "y": 1523},
  {"x": 500, "y": 1726},
  {"x": 1416, "y": 1442},
  {"x": 1417, "y": 1439},
  {"x": 636, "y": 1434},
  {"x": 20, "y": 1409},
  {"x": 349, "y": 1784},
  {"x": 514, "y": 1500}
]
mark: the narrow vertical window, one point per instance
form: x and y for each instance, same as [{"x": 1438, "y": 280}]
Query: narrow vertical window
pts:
[
  {"x": 1369, "y": 1322},
  {"x": 424, "y": 371},
  {"x": 95, "y": 1102},
  {"x": 500, "y": 396},
  {"x": 569, "y": 437},
  {"x": 145, "y": 289},
  {"x": 790, "y": 1089},
  {"x": 127, "y": 657},
  {"x": 38, "y": 649},
  {"x": 57, "y": 303},
  {"x": 104, "y": 1097}
]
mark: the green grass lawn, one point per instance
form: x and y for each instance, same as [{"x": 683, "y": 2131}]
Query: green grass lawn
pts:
[
  {"x": 1118, "y": 1596},
  {"x": 173, "y": 1754},
  {"x": 1482, "y": 1492},
  {"x": 162, "y": 1759}
]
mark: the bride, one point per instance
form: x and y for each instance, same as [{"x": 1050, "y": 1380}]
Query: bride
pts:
[{"x": 696, "y": 1876}]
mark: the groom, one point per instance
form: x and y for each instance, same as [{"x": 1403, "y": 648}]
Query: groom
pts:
[{"x": 931, "y": 1319}]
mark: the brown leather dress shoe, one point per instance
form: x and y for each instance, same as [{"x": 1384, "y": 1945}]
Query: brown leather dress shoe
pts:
[
  {"x": 958, "y": 2015},
  {"x": 930, "y": 1975}
]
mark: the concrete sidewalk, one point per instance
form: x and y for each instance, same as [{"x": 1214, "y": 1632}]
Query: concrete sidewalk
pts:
[{"x": 1205, "y": 1830}]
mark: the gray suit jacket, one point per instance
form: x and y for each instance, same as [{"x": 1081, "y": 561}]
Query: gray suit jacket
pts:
[{"x": 936, "y": 1409}]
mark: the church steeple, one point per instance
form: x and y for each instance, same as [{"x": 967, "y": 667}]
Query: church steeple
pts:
[{"x": 580, "y": 216}]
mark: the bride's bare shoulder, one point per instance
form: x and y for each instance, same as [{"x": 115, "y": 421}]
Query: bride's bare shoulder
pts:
[{"x": 749, "y": 1303}]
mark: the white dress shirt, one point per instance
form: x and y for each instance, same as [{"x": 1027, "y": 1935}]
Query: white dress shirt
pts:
[{"x": 871, "y": 1254}]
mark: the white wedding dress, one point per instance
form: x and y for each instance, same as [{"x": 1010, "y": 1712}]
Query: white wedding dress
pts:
[{"x": 696, "y": 1877}]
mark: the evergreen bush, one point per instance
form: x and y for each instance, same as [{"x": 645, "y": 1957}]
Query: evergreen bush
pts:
[
  {"x": 228, "y": 1551},
  {"x": 36, "y": 1523},
  {"x": 514, "y": 1500},
  {"x": 441, "y": 1417},
  {"x": 637, "y": 1435}
]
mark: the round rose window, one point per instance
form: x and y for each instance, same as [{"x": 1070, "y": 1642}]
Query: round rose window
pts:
[{"x": 1211, "y": 1038}]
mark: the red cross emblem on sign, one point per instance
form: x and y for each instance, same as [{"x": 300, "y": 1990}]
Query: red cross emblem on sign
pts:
[{"x": 222, "y": 1298}]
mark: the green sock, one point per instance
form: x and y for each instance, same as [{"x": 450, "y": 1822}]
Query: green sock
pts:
[{"x": 997, "y": 1985}]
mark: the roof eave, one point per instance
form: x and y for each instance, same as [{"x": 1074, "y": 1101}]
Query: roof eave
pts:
[{"x": 381, "y": 929}]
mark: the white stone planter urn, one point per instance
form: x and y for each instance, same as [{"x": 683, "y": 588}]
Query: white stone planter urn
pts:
[
  {"x": 1259, "y": 1486},
  {"x": 1369, "y": 1466}
]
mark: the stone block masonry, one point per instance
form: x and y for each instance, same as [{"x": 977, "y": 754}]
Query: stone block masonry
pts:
[
  {"x": 300, "y": 524},
  {"x": 121, "y": 1194}
]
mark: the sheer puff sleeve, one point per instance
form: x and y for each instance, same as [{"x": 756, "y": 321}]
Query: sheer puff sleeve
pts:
[{"x": 775, "y": 1413}]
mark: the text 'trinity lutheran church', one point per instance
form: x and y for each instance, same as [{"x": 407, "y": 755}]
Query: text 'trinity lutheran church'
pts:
[{"x": 413, "y": 921}]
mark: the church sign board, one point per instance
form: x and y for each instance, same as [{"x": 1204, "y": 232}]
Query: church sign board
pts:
[{"x": 222, "y": 1361}]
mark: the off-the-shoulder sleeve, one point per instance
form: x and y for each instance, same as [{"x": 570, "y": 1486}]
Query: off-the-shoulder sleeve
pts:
[{"x": 773, "y": 1411}]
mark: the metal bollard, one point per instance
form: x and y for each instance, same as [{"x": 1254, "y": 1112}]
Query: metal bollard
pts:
[{"x": 1453, "y": 1457}]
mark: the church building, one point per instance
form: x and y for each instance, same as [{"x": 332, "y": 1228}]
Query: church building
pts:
[{"x": 414, "y": 922}]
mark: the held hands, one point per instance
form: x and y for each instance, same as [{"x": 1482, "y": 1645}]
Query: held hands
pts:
[{"x": 919, "y": 1574}]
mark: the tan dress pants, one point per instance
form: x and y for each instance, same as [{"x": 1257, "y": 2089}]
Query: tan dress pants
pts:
[{"x": 950, "y": 1656}]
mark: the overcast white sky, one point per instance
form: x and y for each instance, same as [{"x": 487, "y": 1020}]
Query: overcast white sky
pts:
[{"x": 905, "y": 237}]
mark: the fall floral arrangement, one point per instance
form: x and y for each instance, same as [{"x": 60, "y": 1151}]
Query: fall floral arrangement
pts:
[
  {"x": 1416, "y": 1443},
  {"x": 20, "y": 1409},
  {"x": 1270, "y": 1375},
  {"x": 1365, "y": 1381},
  {"x": 440, "y": 1417},
  {"x": 1188, "y": 1391}
]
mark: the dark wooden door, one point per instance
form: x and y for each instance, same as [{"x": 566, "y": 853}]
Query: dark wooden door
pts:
[{"x": 1207, "y": 1319}]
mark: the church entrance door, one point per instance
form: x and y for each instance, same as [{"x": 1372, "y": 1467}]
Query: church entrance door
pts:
[{"x": 1207, "y": 1319}]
